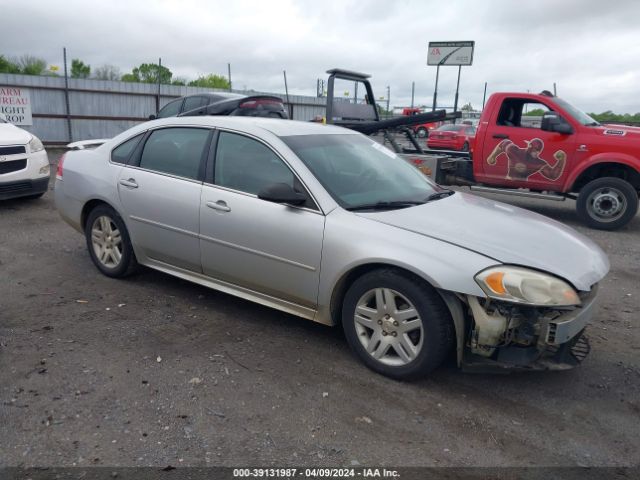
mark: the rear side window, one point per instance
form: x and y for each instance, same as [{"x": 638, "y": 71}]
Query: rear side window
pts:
[
  {"x": 176, "y": 151},
  {"x": 171, "y": 109},
  {"x": 122, "y": 153},
  {"x": 193, "y": 102}
]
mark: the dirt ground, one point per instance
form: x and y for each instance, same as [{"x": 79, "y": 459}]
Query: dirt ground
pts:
[{"x": 153, "y": 370}]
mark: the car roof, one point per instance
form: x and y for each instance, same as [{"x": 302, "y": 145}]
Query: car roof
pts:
[{"x": 279, "y": 127}]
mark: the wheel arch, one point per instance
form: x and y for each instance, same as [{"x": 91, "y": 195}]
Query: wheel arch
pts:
[
  {"x": 92, "y": 204},
  {"x": 623, "y": 168},
  {"x": 452, "y": 302}
]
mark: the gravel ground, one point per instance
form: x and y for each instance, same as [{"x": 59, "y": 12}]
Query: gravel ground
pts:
[{"x": 153, "y": 370}]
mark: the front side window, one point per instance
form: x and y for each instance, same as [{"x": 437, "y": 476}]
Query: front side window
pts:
[
  {"x": 176, "y": 151},
  {"x": 171, "y": 109},
  {"x": 122, "y": 152},
  {"x": 249, "y": 166},
  {"x": 357, "y": 171},
  {"x": 517, "y": 112}
]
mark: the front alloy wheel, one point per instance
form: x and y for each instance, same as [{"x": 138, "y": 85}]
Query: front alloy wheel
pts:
[
  {"x": 388, "y": 327},
  {"x": 396, "y": 323}
]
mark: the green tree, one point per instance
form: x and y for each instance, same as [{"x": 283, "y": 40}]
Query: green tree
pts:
[
  {"x": 30, "y": 65},
  {"x": 467, "y": 107},
  {"x": 211, "y": 81},
  {"x": 79, "y": 69},
  {"x": 107, "y": 72},
  {"x": 148, "y": 73},
  {"x": 179, "y": 81},
  {"x": 130, "y": 77},
  {"x": 8, "y": 66},
  {"x": 536, "y": 112}
]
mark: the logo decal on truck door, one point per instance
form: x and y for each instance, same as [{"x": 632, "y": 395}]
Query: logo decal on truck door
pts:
[{"x": 523, "y": 162}]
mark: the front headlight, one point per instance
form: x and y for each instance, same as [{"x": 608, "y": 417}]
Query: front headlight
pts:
[
  {"x": 521, "y": 285},
  {"x": 35, "y": 145}
]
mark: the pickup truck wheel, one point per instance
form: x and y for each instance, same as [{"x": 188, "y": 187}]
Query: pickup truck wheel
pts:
[
  {"x": 398, "y": 325},
  {"x": 421, "y": 132},
  {"x": 108, "y": 242},
  {"x": 465, "y": 147},
  {"x": 607, "y": 203}
]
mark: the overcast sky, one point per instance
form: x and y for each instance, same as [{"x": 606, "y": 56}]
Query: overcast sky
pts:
[{"x": 590, "y": 48}]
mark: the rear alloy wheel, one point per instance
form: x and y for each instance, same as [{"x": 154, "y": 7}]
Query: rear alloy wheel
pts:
[
  {"x": 421, "y": 132},
  {"x": 108, "y": 242},
  {"x": 398, "y": 325},
  {"x": 607, "y": 203}
]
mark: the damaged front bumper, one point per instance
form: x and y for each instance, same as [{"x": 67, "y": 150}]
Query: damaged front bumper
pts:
[{"x": 507, "y": 337}]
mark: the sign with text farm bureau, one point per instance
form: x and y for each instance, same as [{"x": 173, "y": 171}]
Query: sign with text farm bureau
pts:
[
  {"x": 15, "y": 104},
  {"x": 450, "y": 53}
]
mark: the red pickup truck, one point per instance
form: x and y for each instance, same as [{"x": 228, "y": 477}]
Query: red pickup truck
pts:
[{"x": 565, "y": 154}]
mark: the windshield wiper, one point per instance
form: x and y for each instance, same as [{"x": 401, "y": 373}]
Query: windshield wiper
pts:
[
  {"x": 439, "y": 195},
  {"x": 384, "y": 205}
]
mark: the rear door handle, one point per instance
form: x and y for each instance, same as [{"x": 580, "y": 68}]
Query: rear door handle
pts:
[
  {"x": 131, "y": 183},
  {"x": 500, "y": 135},
  {"x": 220, "y": 205}
]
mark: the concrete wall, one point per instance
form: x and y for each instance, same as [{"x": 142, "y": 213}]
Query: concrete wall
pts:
[{"x": 103, "y": 109}]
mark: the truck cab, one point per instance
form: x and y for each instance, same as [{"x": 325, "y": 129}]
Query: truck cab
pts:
[{"x": 562, "y": 151}]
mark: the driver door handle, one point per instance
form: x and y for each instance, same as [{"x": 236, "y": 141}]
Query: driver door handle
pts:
[
  {"x": 131, "y": 183},
  {"x": 220, "y": 205}
]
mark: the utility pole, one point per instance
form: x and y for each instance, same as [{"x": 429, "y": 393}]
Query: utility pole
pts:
[
  {"x": 484, "y": 97},
  {"x": 413, "y": 93},
  {"x": 388, "y": 98},
  {"x": 455, "y": 102},
  {"x": 555, "y": 94},
  {"x": 229, "y": 75},
  {"x": 435, "y": 90},
  {"x": 286, "y": 90},
  {"x": 158, "y": 96},
  {"x": 66, "y": 93}
]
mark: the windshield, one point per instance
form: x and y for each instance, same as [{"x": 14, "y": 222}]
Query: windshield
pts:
[
  {"x": 577, "y": 114},
  {"x": 357, "y": 171}
]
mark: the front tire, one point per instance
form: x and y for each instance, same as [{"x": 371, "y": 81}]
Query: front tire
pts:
[
  {"x": 465, "y": 147},
  {"x": 607, "y": 203},
  {"x": 397, "y": 324},
  {"x": 108, "y": 242}
]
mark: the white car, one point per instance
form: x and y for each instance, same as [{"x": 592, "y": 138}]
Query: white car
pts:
[{"x": 24, "y": 164}]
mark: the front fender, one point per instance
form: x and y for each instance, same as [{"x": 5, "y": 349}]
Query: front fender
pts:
[
  {"x": 443, "y": 265},
  {"x": 607, "y": 157}
]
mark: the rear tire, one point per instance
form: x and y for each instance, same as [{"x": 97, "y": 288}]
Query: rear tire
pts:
[
  {"x": 607, "y": 203},
  {"x": 108, "y": 243},
  {"x": 465, "y": 147},
  {"x": 397, "y": 324},
  {"x": 422, "y": 132}
]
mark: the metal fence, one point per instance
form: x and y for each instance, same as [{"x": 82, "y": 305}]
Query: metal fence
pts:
[{"x": 103, "y": 109}]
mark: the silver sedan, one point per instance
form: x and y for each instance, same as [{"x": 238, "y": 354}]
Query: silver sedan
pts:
[{"x": 327, "y": 224}]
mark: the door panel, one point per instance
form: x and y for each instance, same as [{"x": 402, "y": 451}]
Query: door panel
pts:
[
  {"x": 518, "y": 154},
  {"x": 265, "y": 246},
  {"x": 162, "y": 215}
]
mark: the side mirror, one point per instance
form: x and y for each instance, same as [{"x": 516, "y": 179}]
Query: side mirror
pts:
[
  {"x": 152, "y": 117},
  {"x": 281, "y": 193},
  {"x": 552, "y": 122}
]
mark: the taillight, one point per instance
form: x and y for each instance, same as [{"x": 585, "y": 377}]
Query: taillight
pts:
[
  {"x": 260, "y": 102},
  {"x": 60, "y": 167}
]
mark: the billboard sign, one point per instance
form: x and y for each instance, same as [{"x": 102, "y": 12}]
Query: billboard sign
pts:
[
  {"x": 15, "y": 104},
  {"x": 450, "y": 53}
]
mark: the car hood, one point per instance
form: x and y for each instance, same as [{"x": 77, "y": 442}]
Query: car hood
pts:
[
  {"x": 12, "y": 135},
  {"x": 505, "y": 233}
]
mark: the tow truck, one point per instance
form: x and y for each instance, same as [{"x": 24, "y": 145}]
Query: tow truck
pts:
[{"x": 568, "y": 156}]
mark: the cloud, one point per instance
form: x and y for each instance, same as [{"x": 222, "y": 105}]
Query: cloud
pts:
[{"x": 588, "y": 48}]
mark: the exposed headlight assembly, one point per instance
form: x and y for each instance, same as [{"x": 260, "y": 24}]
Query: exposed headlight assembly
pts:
[
  {"x": 524, "y": 286},
  {"x": 35, "y": 145}
]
